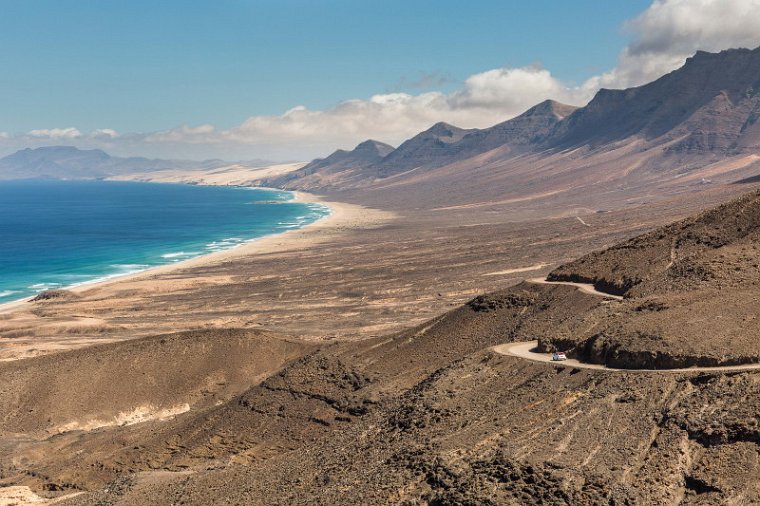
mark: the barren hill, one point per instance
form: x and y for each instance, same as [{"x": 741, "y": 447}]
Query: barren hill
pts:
[
  {"x": 438, "y": 143},
  {"x": 691, "y": 290},
  {"x": 522, "y": 132},
  {"x": 675, "y": 257}
]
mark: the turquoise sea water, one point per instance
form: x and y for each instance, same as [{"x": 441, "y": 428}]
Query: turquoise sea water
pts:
[{"x": 61, "y": 233}]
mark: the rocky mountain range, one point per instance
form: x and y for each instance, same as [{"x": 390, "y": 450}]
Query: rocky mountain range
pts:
[
  {"x": 695, "y": 124},
  {"x": 711, "y": 104}
]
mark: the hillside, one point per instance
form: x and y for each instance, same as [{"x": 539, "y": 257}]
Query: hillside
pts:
[
  {"x": 678, "y": 256},
  {"x": 339, "y": 167},
  {"x": 429, "y": 415},
  {"x": 692, "y": 287},
  {"x": 439, "y": 142},
  {"x": 522, "y": 132}
]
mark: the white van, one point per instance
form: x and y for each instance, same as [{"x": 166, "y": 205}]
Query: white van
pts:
[{"x": 558, "y": 356}]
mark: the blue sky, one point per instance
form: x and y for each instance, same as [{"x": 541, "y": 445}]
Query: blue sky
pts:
[
  {"x": 294, "y": 79},
  {"x": 145, "y": 65}
]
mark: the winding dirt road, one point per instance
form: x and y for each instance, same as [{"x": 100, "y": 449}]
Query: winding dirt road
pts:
[
  {"x": 526, "y": 349},
  {"x": 583, "y": 287}
]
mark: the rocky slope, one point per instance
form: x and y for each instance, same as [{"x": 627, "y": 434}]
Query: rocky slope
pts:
[
  {"x": 679, "y": 257},
  {"x": 690, "y": 294},
  {"x": 522, "y": 132},
  {"x": 436, "y": 145}
]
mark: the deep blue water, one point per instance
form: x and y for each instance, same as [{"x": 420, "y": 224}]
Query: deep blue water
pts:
[{"x": 62, "y": 233}]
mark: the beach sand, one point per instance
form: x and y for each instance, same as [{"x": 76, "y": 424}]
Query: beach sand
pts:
[{"x": 341, "y": 217}]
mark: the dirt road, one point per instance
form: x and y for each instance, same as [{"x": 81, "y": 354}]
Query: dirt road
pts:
[
  {"x": 583, "y": 287},
  {"x": 526, "y": 349}
]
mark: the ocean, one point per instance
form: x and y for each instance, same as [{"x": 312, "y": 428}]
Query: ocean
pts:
[{"x": 56, "y": 234}]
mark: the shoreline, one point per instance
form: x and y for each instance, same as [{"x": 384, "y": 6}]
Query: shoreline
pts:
[{"x": 340, "y": 215}]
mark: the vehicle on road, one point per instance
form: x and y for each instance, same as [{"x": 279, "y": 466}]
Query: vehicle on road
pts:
[{"x": 559, "y": 356}]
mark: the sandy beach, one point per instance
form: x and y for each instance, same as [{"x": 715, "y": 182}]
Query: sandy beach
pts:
[
  {"x": 341, "y": 216},
  {"x": 54, "y": 334}
]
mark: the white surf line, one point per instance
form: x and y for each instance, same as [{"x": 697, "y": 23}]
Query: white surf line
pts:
[
  {"x": 209, "y": 255},
  {"x": 525, "y": 350}
]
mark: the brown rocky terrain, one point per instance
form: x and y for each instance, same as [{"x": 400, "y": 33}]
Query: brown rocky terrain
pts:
[
  {"x": 690, "y": 293},
  {"x": 429, "y": 415}
]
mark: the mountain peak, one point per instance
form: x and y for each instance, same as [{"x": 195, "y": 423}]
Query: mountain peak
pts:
[
  {"x": 373, "y": 146},
  {"x": 443, "y": 129},
  {"x": 363, "y": 155},
  {"x": 61, "y": 149},
  {"x": 701, "y": 55},
  {"x": 550, "y": 107}
]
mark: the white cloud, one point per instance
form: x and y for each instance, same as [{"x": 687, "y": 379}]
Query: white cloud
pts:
[
  {"x": 513, "y": 90},
  {"x": 56, "y": 133},
  {"x": 484, "y": 99},
  {"x": 670, "y": 31},
  {"x": 663, "y": 36},
  {"x": 184, "y": 133},
  {"x": 103, "y": 133}
]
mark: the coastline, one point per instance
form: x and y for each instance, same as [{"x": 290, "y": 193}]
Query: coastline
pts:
[{"x": 341, "y": 215}]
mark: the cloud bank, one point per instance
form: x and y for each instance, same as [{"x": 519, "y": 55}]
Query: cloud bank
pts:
[
  {"x": 662, "y": 37},
  {"x": 670, "y": 31}
]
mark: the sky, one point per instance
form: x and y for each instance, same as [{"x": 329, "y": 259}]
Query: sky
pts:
[{"x": 295, "y": 79}]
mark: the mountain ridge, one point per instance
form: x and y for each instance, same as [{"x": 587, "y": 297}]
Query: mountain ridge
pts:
[
  {"x": 340, "y": 163},
  {"x": 703, "y": 112},
  {"x": 666, "y": 105}
]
